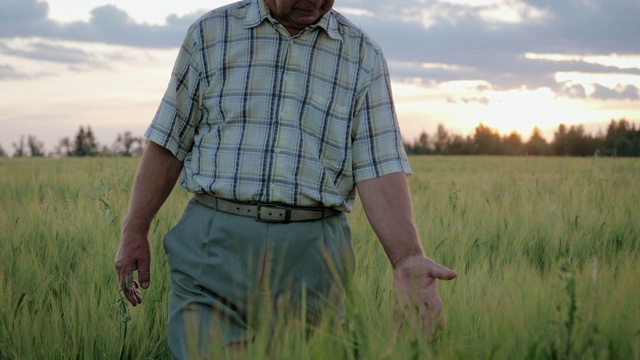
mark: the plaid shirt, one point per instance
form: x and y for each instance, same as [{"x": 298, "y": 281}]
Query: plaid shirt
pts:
[{"x": 257, "y": 115}]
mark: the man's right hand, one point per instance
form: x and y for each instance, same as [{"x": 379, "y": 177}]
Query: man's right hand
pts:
[
  {"x": 157, "y": 175},
  {"x": 133, "y": 255}
]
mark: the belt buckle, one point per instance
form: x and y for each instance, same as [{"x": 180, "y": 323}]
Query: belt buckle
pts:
[{"x": 273, "y": 213}]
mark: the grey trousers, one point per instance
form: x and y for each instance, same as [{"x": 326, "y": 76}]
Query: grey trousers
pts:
[{"x": 226, "y": 269}]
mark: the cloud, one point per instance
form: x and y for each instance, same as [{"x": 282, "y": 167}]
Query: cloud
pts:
[
  {"x": 433, "y": 41},
  {"x": 469, "y": 100},
  {"x": 21, "y": 11},
  {"x": 628, "y": 92},
  {"x": 575, "y": 91},
  {"x": 111, "y": 25},
  {"x": 52, "y": 53},
  {"x": 480, "y": 46},
  {"x": 7, "y": 72},
  {"x": 108, "y": 24}
]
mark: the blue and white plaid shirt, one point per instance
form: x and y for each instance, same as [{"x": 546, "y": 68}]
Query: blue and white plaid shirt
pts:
[{"x": 258, "y": 115}]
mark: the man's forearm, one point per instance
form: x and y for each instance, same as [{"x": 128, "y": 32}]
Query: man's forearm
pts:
[
  {"x": 156, "y": 177},
  {"x": 387, "y": 203}
]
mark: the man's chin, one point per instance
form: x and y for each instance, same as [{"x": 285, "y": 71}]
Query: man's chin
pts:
[{"x": 307, "y": 20}]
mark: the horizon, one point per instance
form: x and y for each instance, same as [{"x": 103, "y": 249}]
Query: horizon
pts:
[
  {"x": 510, "y": 65},
  {"x": 600, "y": 133}
]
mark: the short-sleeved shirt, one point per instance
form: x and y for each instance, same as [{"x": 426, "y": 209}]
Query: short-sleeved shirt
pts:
[{"x": 257, "y": 115}]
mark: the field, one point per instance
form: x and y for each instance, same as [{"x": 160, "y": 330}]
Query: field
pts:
[{"x": 547, "y": 252}]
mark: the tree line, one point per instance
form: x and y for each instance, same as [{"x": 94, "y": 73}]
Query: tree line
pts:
[
  {"x": 622, "y": 138},
  {"x": 81, "y": 145}
]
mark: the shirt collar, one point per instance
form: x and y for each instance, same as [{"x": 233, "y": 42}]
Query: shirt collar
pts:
[{"x": 258, "y": 12}]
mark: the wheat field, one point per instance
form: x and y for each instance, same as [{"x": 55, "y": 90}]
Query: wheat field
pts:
[{"x": 547, "y": 252}]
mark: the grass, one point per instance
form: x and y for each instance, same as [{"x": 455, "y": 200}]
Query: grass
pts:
[{"x": 547, "y": 251}]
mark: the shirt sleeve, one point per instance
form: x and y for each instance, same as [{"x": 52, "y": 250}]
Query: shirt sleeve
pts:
[
  {"x": 378, "y": 149},
  {"x": 180, "y": 111}
]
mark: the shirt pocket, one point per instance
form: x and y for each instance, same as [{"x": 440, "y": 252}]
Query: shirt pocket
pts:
[{"x": 327, "y": 124}]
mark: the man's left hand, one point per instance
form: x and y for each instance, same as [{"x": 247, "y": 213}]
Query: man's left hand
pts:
[{"x": 414, "y": 282}]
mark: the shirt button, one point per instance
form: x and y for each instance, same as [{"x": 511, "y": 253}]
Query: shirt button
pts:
[{"x": 277, "y": 151}]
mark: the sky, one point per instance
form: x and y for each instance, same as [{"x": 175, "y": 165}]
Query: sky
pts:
[{"x": 510, "y": 64}]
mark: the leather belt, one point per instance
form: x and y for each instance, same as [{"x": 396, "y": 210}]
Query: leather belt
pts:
[{"x": 265, "y": 212}]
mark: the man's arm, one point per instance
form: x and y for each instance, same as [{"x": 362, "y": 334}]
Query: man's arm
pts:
[
  {"x": 157, "y": 175},
  {"x": 387, "y": 203}
]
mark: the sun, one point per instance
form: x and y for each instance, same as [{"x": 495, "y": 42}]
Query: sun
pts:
[
  {"x": 460, "y": 108},
  {"x": 522, "y": 110}
]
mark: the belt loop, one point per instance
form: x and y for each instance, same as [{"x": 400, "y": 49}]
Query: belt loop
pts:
[{"x": 214, "y": 202}]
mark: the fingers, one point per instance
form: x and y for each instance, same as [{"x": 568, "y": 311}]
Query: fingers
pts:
[
  {"x": 144, "y": 272},
  {"x": 434, "y": 302},
  {"x": 130, "y": 288},
  {"x": 426, "y": 317},
  {"x": 425, "y": 310},
  {"x": 133, "y": 296},
  {"x": 427, "y": 321},
  {"x": 399, "y": 317},
  {"x": 442, "y": 323},
  {"x": 437, "y": 312},
  {"x": 133, "y": 255}
]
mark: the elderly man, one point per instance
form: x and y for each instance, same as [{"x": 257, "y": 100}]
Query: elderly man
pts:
[{"x": 276, "y": 112}]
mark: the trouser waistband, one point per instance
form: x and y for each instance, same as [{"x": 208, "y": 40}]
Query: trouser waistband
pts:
[{"x": 265, "y": 212}]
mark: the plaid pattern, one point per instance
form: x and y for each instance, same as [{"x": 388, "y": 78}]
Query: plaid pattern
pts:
[{"x": 257, "y": 115}]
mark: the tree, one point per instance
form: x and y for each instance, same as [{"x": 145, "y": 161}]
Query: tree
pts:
[
  {"x": 423, "y": 143},
  {"x": 536, "y": 145},
  {"x": 573, "y": 142},
  {"x": 487, "y": 141},
  {"x": 85, "y": 143},
  {"x": 460, "y": 146},
  {"x": 2, "y": 152},
  {"x": 580, "y": 143},
  {"x": 512, "y": 144},
  {"x": 64, "y": 147},
  {"x": 420, "y": 145},
  {"x": 78, "y": 149},
  {"x": 36, "y": 147},
  {"x": 619, "y": 139},
  {"x": 442, "y": 140},
  {"x": 560, "y": 142},
  {"x": 90, "y": 145},
  {"x": 128, "y": 145},
  {"x": 18, "y": 148}
]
